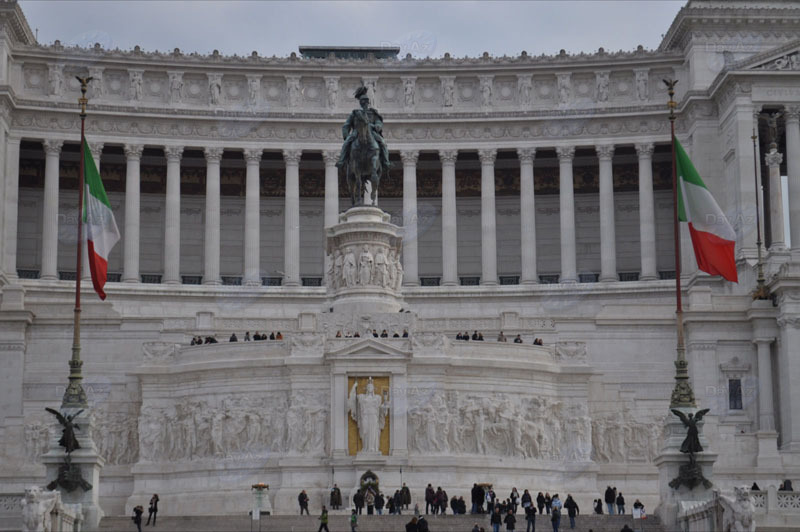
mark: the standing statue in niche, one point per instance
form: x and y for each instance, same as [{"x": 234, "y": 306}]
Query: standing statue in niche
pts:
[
  {"x": 365, "y": 262},
  {"x": 364, "y": 154},
  {"x": 349, "y": 269},
  {"x": 369, "y": 412}
]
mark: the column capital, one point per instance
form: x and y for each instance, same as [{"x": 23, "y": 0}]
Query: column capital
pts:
[
  {"x": 763, "y": 340},
  {"x": 526, "y": 155},
  {"x": 604, "y": 151},
  {"x": 253, "y": 155},
  {"x": 52, "y": 146},
  {"x": 213, "y": 154},
  {"x": 487, "y": 155},
  {"x": 448, "y": 156},
  {"x": 133, "y": 152},
  {"x": 409, "y": 157},
  {"x": 565, "y": 153},
  {"x": 792, "y": 113},
  {"x": 773, "y": 158},
  {"x": 330, "y": 157},
  {"x": 173, "y": 153},
  {"x": 292, "y": 157},
  {"x": 645, "y": 150}
]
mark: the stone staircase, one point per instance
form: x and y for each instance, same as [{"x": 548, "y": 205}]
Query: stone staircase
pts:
[{"x": 370, "y": 523}]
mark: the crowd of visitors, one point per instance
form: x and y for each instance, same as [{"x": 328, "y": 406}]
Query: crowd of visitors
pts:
[
  {"x": 212, "y": 339},
  {"x": 374, "y": 332},
  {"x": 502, "y": 338}
]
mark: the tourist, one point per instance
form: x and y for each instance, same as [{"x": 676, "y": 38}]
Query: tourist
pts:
[
  {"x": 405, "y": 333},
  {"x": 597, "y": 504},
  {"x": 137, "y": 517},
  {"x": 302, "y": 500},
  {"x": 233, "y": 338},
  {"x": 510, "y": 519},
  {"x": 527, "y": 500},
  {"x": 476, "y": 528},
  {"x": 462, "y": 505},
  {"x": 439, "y": 501},
  {"x": 465, "y": 336},
  {"x": 454, "y": 505},
  {"x": 336, "y": 497},
  {"x": 572, "y": 509},
  {"x": 556, "y": 502},
  {"x": 626, "y": 528},
  {"x": 555, "y": 519},
  {"x": 755, "y": 487},
  {"x": 358, "y": 501},
  {"x": 194, "y": 341},
  {"x": 374, "y": 333},
  {"x": 353, "y": 521},
  {"x": 540, "y": 503},
  {"x": 496, "y": 520},
  {"x": 356, "y": 335},
  {"x": 475, "y": 335},
  {"x": 547, "y": 502},
  {"x": 416, "y": 510},
  {"x": 384, "y": 334},
  {"x": 514, "y": 497},
  {"x": 396, "y": 335},
  {"x": 429, "y": 497},
  {"x": 406, "y": 493},
  {"x": 369, "y": 500},
  {"x": 323, "y": 520},
  {"x": 398, "y": 502},
  {"x": 502, "y": 337},
  {"x": 637, "y": 505},
  {"x": 272, "y": 336},
  {"x": 458, "y": 336},
  {"x": 152, "y": 510},
  {"x": 530, "y": 517},
  {"x": 480, "y": 337},
  {"x": 620, "y": 504},
  {"x": 390, "y": 505},
  {"x": 490, "y": 500},
  {"x": 610, "y": 499},
  {"x": 411, "y": 526},
  {"x": 476, "y": 495},
  {"x": 422, "y": 525},
  {"x": 338, "y": 334},
  {"x": 518, "y": 339},
  {"x": 247, "y": 336},
  {"x": 256, "y": 336},
  {"x": 278, "y": 336}
]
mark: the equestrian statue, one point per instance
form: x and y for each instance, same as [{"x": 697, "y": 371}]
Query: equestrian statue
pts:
[{"x": 364, "y": 155}]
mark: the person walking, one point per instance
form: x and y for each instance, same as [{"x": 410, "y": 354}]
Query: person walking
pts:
[
  {"x": 598, "y": 507},
  {"x": 609, "y": 499},
  {"x": 514, "y": 498},
  {"x": 137, "y": 517},
  {"x": 620, "y": 504},
  {"x": 152, "y": 510},
  {"x": 496, "y": 520},
  {"x": 379, "y": 503},
  {"x": 353, "y": 521},
  {"x": 540, "y": 502},
  {"x": 429, "y": 497},
  {"x": 422, "y": 525},
  {"x": 302, "y": 500},
  {"x": 572, "y": 510},
  {"x": 547, "y": 502},
  {"x": 530, "y": 517},
  {"x": 411, "y": 526},
  {"x": 510, "y": 520},
  {"x": 556, "y": 502},
  {"x": 323, "y": 520},
  {"x": 555, "y": 518},
  {"x": 527, "y": 500}
]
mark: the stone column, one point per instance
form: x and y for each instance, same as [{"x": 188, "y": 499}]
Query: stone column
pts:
[
  {"x": 647, "y": 213},
  {"x": 527, "y": 216},
  {"x": 172, "y": 216},
  {"x": 10, "y": 206},
  {"x": 399, "y": 413},
  {"x": 211, "y": 270},
  {"x": 488, "y": 218},
  {"x": 331, "y": 187},
  {"x": 766, "y": 412},
  {"x": 410, "y": 234},
  {"x": 252, "y": 213},
  {"x": 133, "y": 155},
  {"x": 608, "y": 239},
  {"x": 96, "y": 149},
  {"x": 449, "y": 212},
  {"x": 774, "y": 160},
  {"x": 569, "y": 266},
  {"x": 52, "y": 150},
  {"x": 793, "y": 172},
  {"x": 339, "y": 413},
  {"x": 291, "y": 227}
]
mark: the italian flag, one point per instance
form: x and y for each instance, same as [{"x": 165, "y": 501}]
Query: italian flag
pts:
[
  {"x": 101, "y": 229},
  {"x": 713, "y": 237}
]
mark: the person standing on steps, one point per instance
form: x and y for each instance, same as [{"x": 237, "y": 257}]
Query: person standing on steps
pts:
[
  {"x": 555, "y": 518},
  {"x": 336, "y": 497},
  {"x": 302, "y": 500},
  {"x": 609, "y": 499},
  {"x": 540, "y": 502},
  {"x": 411, "y": 526},
  {"x": 572, "y": 510},
  {"x": 152, "y": 510},
  {"x": 530, "y": 517},
  {"x": 137, "y": 517},
  {"x": 429, "y": 497},
  {"x": 620, "y": 504},
  {"x": 496, "y": 520},
  {"x": 406, "y": 495},
  {"x": 353, "y": 522},
  {"x": 323, "y": 520},
  {"x": 510, "y": 520}
]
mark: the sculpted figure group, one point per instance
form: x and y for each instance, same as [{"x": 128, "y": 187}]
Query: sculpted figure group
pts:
[{"x": 345, "y": 269}]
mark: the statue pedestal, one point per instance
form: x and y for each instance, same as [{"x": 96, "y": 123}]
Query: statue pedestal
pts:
[
  {"x": 86, "y": 460},
  {"x": 365, "y": 273},
  {"x": 669, "y": 462},
  {"x": 768, "y": 457}
]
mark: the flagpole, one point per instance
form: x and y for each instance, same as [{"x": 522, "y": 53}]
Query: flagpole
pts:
[
  {"x": 74, "y": 395},
  {"x": 761, "y": 291},
  {"x": 682, "y": 394}
]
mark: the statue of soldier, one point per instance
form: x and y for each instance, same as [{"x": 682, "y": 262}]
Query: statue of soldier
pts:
[{"x": 376, "y": 128}]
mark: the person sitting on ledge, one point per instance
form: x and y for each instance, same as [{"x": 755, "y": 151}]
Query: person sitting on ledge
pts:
[
  {"x": 278, "y": 336},
  {"x": 502, "y": 337},
  {"x": 395, "y": 335},
  {"x": 338, "y": 335},
  {"x": 475, "y": 335},
  {"x": 518, "y": 339},
  {"x": 356, "y": 335},
  {"x": 247, "y": 336},
  {"x": 458, "y": 337},
  {"x": 480, "y": 337},
  {"x": 465, "y": 336},
  {"x": 233, "y": 338},
  {"x": 405, "y": 333},
  {"x": 755, "y": 487},
  {"x": 272, "y": 336},
  {"x": 374, "y": 333},
  {"x": 256, "y": 336},
  {"x": 384, "y": 334},
  {"x": 194, "y": 341}
]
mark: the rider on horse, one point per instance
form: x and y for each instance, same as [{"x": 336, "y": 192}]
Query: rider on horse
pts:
[{"x": 376, "y": 128}]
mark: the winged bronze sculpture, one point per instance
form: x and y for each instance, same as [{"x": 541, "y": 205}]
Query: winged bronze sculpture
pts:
[{"x": 68, "y": 440}]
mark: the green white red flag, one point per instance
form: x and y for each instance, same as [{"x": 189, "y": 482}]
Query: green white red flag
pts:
[
  {"x": 713, "y": 238},
  {"x": 98, "y": 219}
]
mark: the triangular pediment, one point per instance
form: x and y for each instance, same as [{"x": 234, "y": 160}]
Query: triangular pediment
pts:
[
  {"x": 783, "y": 58},
  {"x": 370, "y": 348}
]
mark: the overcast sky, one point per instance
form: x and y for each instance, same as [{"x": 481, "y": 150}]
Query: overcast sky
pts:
[{"x": 420, "y": 28}]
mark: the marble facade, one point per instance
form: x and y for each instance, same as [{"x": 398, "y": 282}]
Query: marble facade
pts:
[{"x": 532, "y": 197}]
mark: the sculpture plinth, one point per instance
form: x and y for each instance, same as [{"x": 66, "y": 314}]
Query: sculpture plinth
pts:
[{"x": 364, "y": 274}]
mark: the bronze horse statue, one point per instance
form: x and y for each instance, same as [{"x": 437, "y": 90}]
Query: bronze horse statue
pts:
[{"x": 364, "y": 162}]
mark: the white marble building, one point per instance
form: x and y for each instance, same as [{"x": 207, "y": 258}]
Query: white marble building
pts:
[{"x": 534, "y": 195}]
